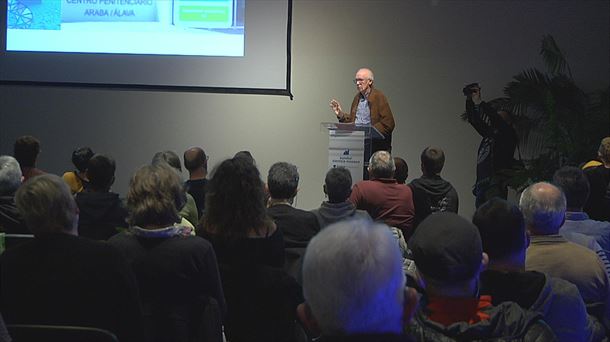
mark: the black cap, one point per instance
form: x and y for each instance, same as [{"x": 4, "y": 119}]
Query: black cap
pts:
[{"x": 446, "y": 247}]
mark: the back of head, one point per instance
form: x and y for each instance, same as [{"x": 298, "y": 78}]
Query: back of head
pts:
[
  {"x": 234, "y": 201},
  {"x": 47, "y": 206},
  {"x": 80, "y": 158},
  {"x": 247, "y": 155},
  {"x": 401, "y": 173},
  {"x": 283, "y": 180},
  {"x": 338, "y": 183},
  {"x": 195, "y": 158},
  {"x": 26, "y": 150},
  {"x": 501, "y": 227},
  {"x": 10, "y": 175},
  {"x": 604, "y": 150},
  {"x": 381, "y": 165},
  {"x": 432, "y": 160},
  {"x": 154, "y": 197},
  {"x": 101, "y": 172},
  {"x": 447, "y": 249},
  {"x": 575, "y": 186},
  {"x": 543, "y": 206},
  {"x": 168, "y": 157},
  {"x": 353, "y": 279}
]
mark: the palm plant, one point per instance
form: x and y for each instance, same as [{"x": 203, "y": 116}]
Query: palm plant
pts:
[{"x": 558, "y": 123}]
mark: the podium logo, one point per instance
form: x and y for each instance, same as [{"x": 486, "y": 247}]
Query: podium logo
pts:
[{"x": 346, "y": 152}]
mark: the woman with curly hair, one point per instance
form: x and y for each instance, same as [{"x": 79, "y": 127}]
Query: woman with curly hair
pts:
[{"x": 261, "y": 297}]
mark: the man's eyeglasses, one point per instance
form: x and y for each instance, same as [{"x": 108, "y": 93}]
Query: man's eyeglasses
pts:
[{"x": 360, "y": 80}]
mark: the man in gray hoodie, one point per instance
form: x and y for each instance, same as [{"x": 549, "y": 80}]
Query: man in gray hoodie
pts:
[{"x": 338, "y": 187}]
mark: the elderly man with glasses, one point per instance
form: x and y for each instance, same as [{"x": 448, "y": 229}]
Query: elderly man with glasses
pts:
[{"x": 369, "y": 107}]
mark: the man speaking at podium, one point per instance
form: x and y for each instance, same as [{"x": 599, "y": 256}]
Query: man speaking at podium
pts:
[{"x": 369, "y": 107}]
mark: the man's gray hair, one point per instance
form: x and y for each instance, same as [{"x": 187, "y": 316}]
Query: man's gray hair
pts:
[
  {"x": 46, "y": 205},
  {"x": 353, "y": 279},
  {"x": 544, "y": 207},
  {"x": 282, "y": 180},
  {"x": 382, "y": 165},
  {"x": 10, "y": 175}
]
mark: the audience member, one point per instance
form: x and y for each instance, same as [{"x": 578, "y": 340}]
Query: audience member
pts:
[
  {"x": 59, "y": 278},
  {"x": 101, "y": 211},
  {"x": 261, "y": 297},
  {"x": 189, "y": 209},
  {"x": 354, "y": 285},
  {"x": 338, "y": 187},
  {"x": 440, "y": 194},
  {"x": 298, "y": 226},
  {"x": 196, "y": 163},
  {"x": 176, "y": 272},
  {"x": 382, "y": 197},
  {"x": 575, "y": 186},
  {"x": 26, "y": 150},
  {"x": 77, "y": 179},
  {"x": 449, "y": 257},
  {"x": 247, "y": 155},
  {"x": 598, "y": 204},
  {"x": 502, "y": 229},
  {"x": 10, "y": 180},
  {"x": 401, "y": 173},
  {"x": 544, "y": 206}
]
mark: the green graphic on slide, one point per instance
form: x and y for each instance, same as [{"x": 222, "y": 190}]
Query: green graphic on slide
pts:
[{"x": 204, "y": 14}]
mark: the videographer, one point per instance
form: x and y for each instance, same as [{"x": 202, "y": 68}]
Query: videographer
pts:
[{"x": 497, "y": 148}]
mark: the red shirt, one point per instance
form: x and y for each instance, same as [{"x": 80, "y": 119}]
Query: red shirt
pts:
[
  {"x": 447, "y": 310},
  {"x": 386, "y": 200}
]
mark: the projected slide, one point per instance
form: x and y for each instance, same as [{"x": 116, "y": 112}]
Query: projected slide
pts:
[{"x": 151, "y": 27}]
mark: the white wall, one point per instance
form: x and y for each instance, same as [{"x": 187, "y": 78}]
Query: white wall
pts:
[{"x": 422, "y": 52}]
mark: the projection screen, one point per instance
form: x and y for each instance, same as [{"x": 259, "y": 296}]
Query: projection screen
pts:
[{"x": 233, "y": 46}]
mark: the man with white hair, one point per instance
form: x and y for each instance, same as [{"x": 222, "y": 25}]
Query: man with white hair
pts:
[
  {"x": 10, "y": 180},
  {"x": 382, "y": 197},
  {"x": 369, "y": 107},
  {"x": 544, "y": 207},
  {"x": 354, "y": 284}
]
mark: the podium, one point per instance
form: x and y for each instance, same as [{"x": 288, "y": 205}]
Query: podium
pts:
[{"x": 349, "y": 146}]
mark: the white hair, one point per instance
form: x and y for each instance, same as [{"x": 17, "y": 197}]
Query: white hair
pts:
[
  {"x": 353, "y": 279},
  {"x": 382, "y": 165},
  {"x": 10, "y": 175},
  {"x": 544, "y": 207},
  {"x": 370, "y": 72}
]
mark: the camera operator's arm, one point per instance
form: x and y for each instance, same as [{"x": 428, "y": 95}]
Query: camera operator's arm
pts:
[{"x": 475, "y": 110}]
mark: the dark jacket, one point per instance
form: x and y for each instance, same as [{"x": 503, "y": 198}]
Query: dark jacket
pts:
[
  {"x": 598, "y": 203},
  {"x": 298, "y": 226},
  {"x": 10, "y": 219},
  {"x": 59, "y": 279},
  {"x": 100, "y": 214},
  {"x": 507, "y": 322},
  {"x": 329, "y": 213},
  {"x": 196, "y": 187},
  {"x": 440, "y": 194},
  {"x": 176, "y": 275},
  {"x": 557, "y": 300},
  {"x": 499, "y": 141}
]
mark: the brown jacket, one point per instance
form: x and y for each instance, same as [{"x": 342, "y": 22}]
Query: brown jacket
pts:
[{"x": 381, "y": 114}]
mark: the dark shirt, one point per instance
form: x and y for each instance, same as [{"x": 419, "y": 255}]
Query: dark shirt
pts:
[
  {"x": 298, "y": 226},
  {"x": 175, "y": 275},
  {"x": 59, "y": 279},
  {"x": 196, "y": 187},
  {"x": 598, "y": 204},
  {"x": 100, "y": 213},
  {"x": 440, "y": 194}
]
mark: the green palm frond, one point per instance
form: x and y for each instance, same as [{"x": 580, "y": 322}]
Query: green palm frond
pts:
[{"x": 554, "y": 59}]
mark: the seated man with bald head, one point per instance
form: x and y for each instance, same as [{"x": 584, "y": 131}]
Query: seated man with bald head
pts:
[
  {"x": 196, "y": 163},
  {"x": 354, "y": 285},
  {"x": 59, "y": 278},
  {"x": 544, "y": 207}
]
